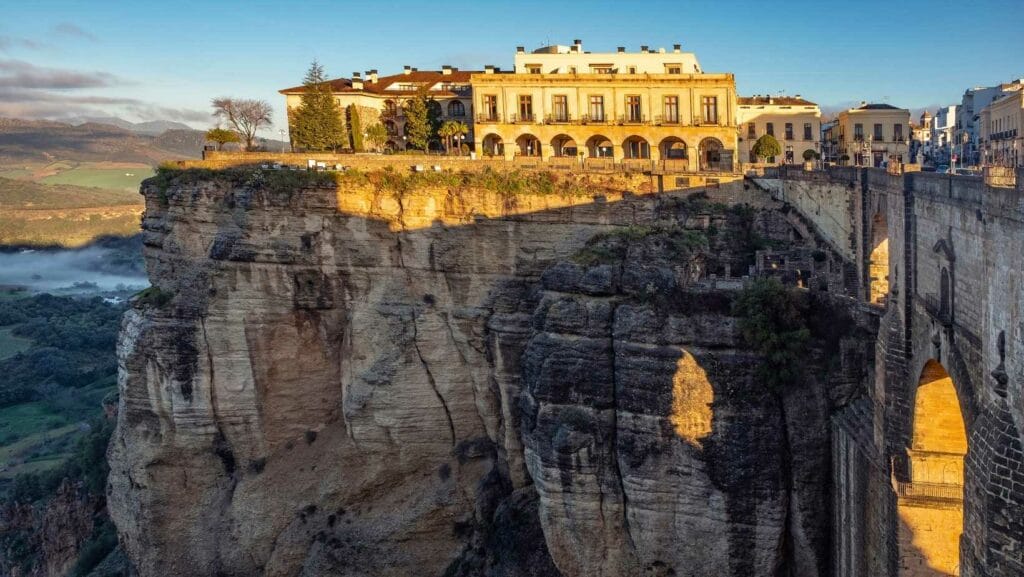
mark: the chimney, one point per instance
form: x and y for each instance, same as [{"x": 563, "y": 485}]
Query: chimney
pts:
[
  {"x": 446, "y": 70},
  {"x": 373, "y": 76},
  {"x": 520, "y": 50},
  {"x": 578, "y": 42},
  {"x": 643, "y": 49},
  {"x": 407, "y": 70},
  {"x": 489, "y": 69},
  {"x": 621, "y": 49},
  {"x": 661, "y": 51},
  {"x": 357, "y": 81},
  {"x": 414, "y": 69},
  {"x": 677, "y": 48}
]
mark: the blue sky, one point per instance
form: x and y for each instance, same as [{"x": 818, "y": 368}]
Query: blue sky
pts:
[{"x": 143, "y": 60}]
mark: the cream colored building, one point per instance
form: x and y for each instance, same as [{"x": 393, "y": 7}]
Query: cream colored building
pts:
[
  {"x": 872, "y": 134},
  {"x": 381, "y": 98},
  {"x": 793, "y": 121},
  {"x": 1002, "y": 131},
  {"x": 652, "y": 109}
]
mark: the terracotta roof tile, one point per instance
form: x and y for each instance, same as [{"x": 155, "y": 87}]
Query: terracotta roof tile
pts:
[
  {"x": 775, "y": 100},
  {"x": 424, "y": 77}
]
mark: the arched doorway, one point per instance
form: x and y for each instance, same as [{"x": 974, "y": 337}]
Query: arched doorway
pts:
[
  {"x": 600, "y": 147},
  {"x": 672, "y": 148},
  {"x": 931, "y": 501},
  {"x": 636, "y": 147},
  {"x": 493, "y": 146},
  {"x": 878, "y": 260},
  {"x": 710, "y": 150},
  {"x": 563, "y": 145},
  {"x": 528, "y": 145}
]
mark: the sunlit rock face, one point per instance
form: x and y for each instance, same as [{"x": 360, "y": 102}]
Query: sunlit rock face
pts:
[{"x": 353, "y": 382}]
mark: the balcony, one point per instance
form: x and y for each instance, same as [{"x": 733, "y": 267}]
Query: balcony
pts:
[
  {"x": 594, "y": 119},
  {"x": 934, "y": 491},
  {"x": 564, "y": 118},
  {"x": 488, "y": 117},
  {"x": 632, "y": 119},
  {"x": 527, "y": 118},
  {"x": 670, "y": 120}
]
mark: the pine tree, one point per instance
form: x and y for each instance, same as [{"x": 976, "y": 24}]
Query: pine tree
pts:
[
  {"x": 317, "y": 123},
  {"x": 355, "y": 128}
]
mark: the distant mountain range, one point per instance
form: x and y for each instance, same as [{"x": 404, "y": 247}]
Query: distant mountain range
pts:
[{"x": 152, "y": 128}]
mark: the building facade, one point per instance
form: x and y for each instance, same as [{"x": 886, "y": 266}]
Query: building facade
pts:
[
  {"x": 652, "y": 108},
  {"x": 872, "y": 134},
  {"x": 921, "y": 139},
  {"x": 944, "y": 131},
  {"x": 1002, "y": 131},
  {"x": 968, "y": 119},
  {"x": 793, "y": 121},
  {"x": 381, "y": 98}
]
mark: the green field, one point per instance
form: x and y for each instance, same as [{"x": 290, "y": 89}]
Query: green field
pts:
[
  {"x": 11, "y": 345},
  {"x": 111, "y": 178}
]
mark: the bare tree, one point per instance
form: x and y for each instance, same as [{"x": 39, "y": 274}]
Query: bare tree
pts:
[{"x": 245, "y": 115}]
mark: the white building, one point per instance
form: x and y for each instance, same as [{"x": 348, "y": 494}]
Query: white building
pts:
[{"x": 969, "y": 115}]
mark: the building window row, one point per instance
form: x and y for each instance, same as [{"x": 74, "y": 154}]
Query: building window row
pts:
[
  {"x": 633, "y": 109},
  {"x": 878, "y": 133}
]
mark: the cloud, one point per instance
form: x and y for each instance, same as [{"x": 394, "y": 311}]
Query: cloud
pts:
[
  {"x": 73, "y": 30},
  {"x": 31, "y": 91},
  {"x": 21, "y": 74},
  {"x": 10, "y": 42}
]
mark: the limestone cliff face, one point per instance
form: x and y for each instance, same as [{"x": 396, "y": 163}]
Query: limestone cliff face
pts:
[{"x": 354, "y": 381}]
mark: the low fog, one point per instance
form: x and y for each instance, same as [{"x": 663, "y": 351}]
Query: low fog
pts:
[{"x": 94, "y": 269}]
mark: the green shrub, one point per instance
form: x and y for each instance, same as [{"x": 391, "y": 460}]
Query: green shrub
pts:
[
  {"x": 153, "y": 297},
  {"x": 772, "y": 324}
]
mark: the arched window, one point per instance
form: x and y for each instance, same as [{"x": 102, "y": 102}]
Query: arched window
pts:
[{"x": 456, "y": 108}]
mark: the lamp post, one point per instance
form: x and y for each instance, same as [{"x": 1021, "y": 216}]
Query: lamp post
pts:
[{"x": 282, "y": 131}]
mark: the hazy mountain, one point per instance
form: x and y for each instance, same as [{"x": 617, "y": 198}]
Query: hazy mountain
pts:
[
  {"x": 42, "y": 140},
  {"x": 153, "y": 127}
]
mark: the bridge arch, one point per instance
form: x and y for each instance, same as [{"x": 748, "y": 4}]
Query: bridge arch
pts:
[
  {"x": 878, "y": 259},
  {"x": 931, "y": 500}
]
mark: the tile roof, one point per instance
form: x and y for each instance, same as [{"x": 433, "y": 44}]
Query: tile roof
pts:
[
  {"x": 423, "y": 77},
  {"x": 775, "y": 100},
  {"x": 878, "y": 107}
]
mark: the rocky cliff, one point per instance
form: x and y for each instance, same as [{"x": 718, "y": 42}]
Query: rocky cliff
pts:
[{"x": 476, "y": 375}]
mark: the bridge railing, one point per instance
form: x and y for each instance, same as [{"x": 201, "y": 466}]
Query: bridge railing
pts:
[{"x": 939, "y": 491}]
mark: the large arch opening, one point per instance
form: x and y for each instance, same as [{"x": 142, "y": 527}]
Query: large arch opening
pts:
[
  {"x": 564, "y": 145},
  {"x": 527, "y": 145},
  {"x": 931, "y": 502},
  {"x": 673, "y": 148},
  {"x": 635, "y": 147},
  {"x": 711, "y": 154},
  {"x": 493, "y": 146},
  {"x": 878, "y": 260},
  {"x": 599, "y": 146}
]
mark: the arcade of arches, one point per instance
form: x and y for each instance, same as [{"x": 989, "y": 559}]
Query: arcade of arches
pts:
[{"x": 931, "y": 502}]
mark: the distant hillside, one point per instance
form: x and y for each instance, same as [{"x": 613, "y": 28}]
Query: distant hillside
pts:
[
  {"x": 39, "y": 140},
  {"x": 27, "y": 195},
  {"x": 63, "y": 215}
]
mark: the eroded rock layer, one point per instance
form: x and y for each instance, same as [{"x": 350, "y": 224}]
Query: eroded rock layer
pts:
[{"x": 353, "y": 381}]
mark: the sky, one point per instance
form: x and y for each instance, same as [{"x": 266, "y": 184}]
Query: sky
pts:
[{"x": 167, "y": 60}]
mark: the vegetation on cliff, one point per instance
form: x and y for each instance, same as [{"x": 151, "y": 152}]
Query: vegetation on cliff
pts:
[{"x": 772, "y": 324}]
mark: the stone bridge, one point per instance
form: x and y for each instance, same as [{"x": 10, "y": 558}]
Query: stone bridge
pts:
[{"x": 928, "y": 472}]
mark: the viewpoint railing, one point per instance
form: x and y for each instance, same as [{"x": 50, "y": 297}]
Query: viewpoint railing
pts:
[{"x": 938, "y": 491}]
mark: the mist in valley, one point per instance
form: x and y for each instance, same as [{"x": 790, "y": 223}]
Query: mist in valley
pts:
[{"x": 107, "y": 266}]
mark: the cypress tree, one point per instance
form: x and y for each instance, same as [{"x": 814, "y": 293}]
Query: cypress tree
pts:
[
  {"x": 317, "y": 123},
  {"x": 418, "y": 127},
  {"x": 355, "y": 129}
]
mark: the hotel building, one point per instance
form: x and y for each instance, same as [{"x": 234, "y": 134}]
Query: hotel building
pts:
[
  {"x": 872, "y": 134},
  {"x": 652, "y": 109},
  {"x": 1002, "y": 130}
]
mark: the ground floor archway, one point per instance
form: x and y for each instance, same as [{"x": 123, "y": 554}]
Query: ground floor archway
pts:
[
  {"x": 493, "y": 146},
  {"x": 527, "y": 145},
  {"x": 563, "y": 145},
  {"x": 672, "y": 148},
  {"x": 635, "y": 147},
  {"x": 599, "y": 146},
  {"x": 710, "y": 150}
]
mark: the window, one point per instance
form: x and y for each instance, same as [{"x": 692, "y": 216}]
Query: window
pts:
[
  {"x": 525, "y": 107},
  {"x": 597, "y": 108},
  {"x": 560, "y": 108},
  {"x": 858, "y": 131},
  {"x": 878, "y": 132},
  {"x": 533, "y": 69},
  {"x": 807, "y": 131},
  {"x": 572, "y": 70},
  {"x": 770, "y": 129},
  {"x": 632, "y": 69},
  {"x": 456, "y": 108},
  {"x": 709, "y": 104},
  {"x": 490, "y": 107},
  {"x": 674, "y": 69},
  {"x": 671, "y": 109},
  {"x": 600, "y": 69},
  {"x": 789, "y": 155},
  {"x": 897, "y": 132},
  {"x": 751, "y": 132},
  {"x": 633, "y": 109},
  {"x": 789, "y": 131}
]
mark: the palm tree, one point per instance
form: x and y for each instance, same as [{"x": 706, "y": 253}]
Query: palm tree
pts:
[{"x": 450, "y": 131}]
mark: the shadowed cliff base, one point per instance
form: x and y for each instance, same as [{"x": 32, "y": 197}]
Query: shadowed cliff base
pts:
[{"x": 373, "y": 375}]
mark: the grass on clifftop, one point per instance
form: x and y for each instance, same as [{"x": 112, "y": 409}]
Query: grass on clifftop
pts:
[
  {"x": 508, "y": 183},
  {"x": 612, "y": 247}
]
